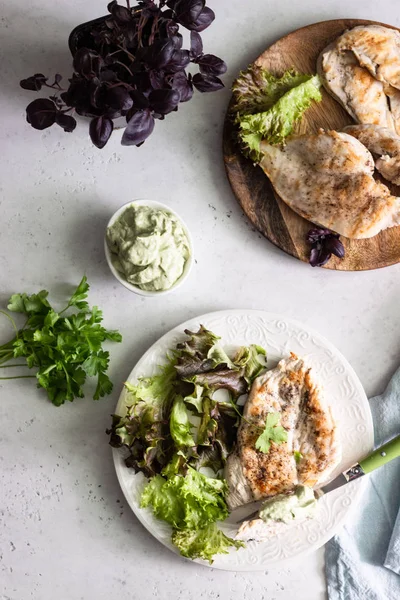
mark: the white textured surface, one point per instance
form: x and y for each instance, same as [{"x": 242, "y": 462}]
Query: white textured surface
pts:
[
  {"x": 65, "y": 530},
  {"x": 279, "y": 336}
]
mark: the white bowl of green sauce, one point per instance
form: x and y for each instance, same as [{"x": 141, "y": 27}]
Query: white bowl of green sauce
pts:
[{"x": 148, "y": 248}]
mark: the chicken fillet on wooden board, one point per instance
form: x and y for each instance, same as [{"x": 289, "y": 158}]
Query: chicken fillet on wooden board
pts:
[
  {"x": 384, "y": 144},
  {"x": 327, "y": 178},
  {"x": 356, "y": 89},
  {"x": 290, "y": 390},
  {"x": 376, "y": 48}
]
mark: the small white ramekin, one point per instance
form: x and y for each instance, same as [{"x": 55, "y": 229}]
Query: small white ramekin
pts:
[{"x": 118, "y": 275}]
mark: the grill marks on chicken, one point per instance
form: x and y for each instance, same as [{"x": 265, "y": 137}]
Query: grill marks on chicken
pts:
[
  {"x": 290, "y": 390},
  {"x": 377, "y": 49},
  {"x": 354, "y": 87},
  {"x": 384, "y": 145},
  {"x": 361, "y": 70},
  {"x": 327, "y": 178}
]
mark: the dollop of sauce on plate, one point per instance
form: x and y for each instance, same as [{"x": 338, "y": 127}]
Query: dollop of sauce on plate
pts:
[{"x": 301, "y": 504}]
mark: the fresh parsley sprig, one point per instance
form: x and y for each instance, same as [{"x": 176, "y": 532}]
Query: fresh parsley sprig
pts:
[
  {"x": 273, "y": 432},
  {"x": 65, "y": 348}
]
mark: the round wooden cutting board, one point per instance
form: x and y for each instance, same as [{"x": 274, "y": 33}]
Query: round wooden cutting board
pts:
[{"x": 268, "y": 213}]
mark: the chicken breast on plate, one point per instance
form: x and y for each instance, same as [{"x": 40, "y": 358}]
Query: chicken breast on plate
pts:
[
  {"x": 384, "y": 144},
  {"x": 376, "y": 48},
  {"x": 355, "y": 88},
  {"x": 290, "y": 390},
  {"x": 327, "y": 178}
]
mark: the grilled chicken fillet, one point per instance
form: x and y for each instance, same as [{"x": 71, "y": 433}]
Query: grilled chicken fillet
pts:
[
  {"x": 384, "y": 144},
  {"x": 376, "y": 48},
  {"x": 327, "y": 178},
  {"x": 290, "y": 390},
  {"x": 356, "y": 89}
]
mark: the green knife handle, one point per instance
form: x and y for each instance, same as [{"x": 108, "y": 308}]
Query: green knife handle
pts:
[{"x": 381, "y": 456}]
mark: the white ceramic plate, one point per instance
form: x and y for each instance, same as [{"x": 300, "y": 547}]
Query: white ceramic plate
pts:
[{"x": 344, "y": 393}]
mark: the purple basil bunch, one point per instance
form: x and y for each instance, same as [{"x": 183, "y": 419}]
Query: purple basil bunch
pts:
[
  {"x": 324, "y": 243},
  {"x": 132, "y": 65}
]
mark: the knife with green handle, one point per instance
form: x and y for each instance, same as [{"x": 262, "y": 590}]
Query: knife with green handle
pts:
[{"x": 376, "y": 459}]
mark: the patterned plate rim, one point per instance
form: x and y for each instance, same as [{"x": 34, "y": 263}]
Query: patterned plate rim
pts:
[{"x": 358, "y": 486}]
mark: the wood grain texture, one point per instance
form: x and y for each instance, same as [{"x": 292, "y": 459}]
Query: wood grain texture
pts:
[{"x": 268, "y": 213}]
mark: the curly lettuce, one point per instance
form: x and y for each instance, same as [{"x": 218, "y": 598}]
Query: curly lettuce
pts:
[
  {"x": 248, "y": 358},
  {"x": 275, "y": 124},
  {"x": 203, "y": 543},
  {"x": 256, "y": 90},
  {"x": 179, "y": 424},
  {"x": 186, "y": 502},
  {"x": 174, "y": 428},
  {"x": 191, "y": 505},
  {"x": 144, "y": 429}
]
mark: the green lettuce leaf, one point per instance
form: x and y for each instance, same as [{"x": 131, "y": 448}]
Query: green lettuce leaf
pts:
[
  {"x": 157, "y": 387},
  {"x": 275, "y": 124},
  {"x": 208, "y": 425},
  {"x": 203, "y": 543},
  {"x": 144, "y": 430},
  {"x": 179, "y": 424},
  {"x": 247, "y": 358},
  {"x": 220, "y": 357},
  {"x": 176, "y": 466},
  {"x": 195, "y": 399},
  {"x": 256, "y": 90},
  {"x": 190, "y": 502}
]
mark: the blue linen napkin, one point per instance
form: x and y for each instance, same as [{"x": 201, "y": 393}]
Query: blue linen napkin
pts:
[{"x": 363, "y": 561}]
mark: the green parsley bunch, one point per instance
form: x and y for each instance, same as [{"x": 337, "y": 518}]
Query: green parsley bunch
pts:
[{"x": 64, "y": 347}]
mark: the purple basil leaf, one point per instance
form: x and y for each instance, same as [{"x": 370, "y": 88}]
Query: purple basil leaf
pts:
[
  {"x": 179, "y": 61},
  {"x": 108, "y": 75},
  {"x": 157, "y": 79},
  {"x": 205, "y": 19},
  {"x": 318, "y": 234},
  {"x": 33, "y": 83},
  {"x": 171, "y": 28},
  {"x": 207, "y": 83},
  {"x": 209, "y": 63},
  {"x": 139, "y": 100},
  {"x": 142, "y": 82},
  {"x": 120, "y": 13},
  {"x": 87, "y": 63},
  {"x": 41, "y": 113},
  {"x": 319, "y": 257},
  {"x": 100, "y": 129},
  {"x": 67, "y": 122},
  {"x": 111, "y": 5},
  {"x": 334, "y": 245},
  {"x": 57, "y": 78},
  {"x": 188, "y": 11},
  {"x": 164, "y": 101},
  {"x": 119, "y": 98},
  {"x": 159, "y": 54},
  {"x": 183, "y": 86},
  {"x": 97, "y": 95},
  {"x": 196, "y": 44},
  {"x": 177, "y": 40},
  {"x": 138, "y": 129}
]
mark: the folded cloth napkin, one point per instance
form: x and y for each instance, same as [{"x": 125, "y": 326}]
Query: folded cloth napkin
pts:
[{"x": 363, "y": 561}]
